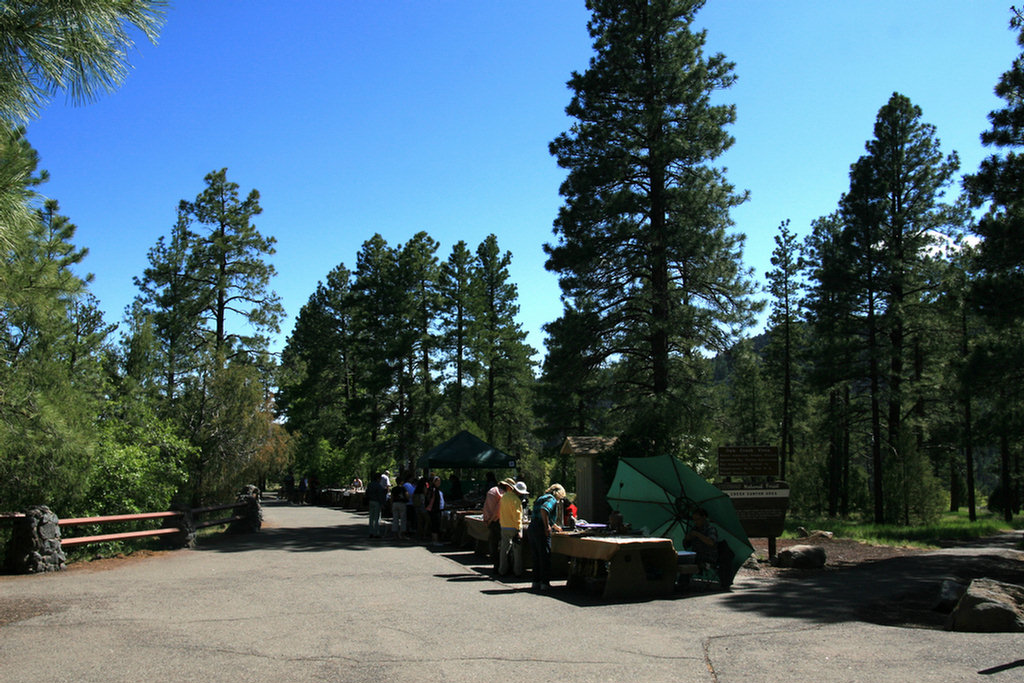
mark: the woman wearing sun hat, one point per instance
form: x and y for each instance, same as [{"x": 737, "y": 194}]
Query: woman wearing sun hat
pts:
[
  {"x": 542, "y": 525},
  {"x": 511, "y": 517}
]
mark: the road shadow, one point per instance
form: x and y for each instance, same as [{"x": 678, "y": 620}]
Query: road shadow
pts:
[
  {"x": 308, "y": 539},
  {"x": 899, "y": 591},
  {"x": 479, "y": 568},
  {"x": 350, "y": 533}
]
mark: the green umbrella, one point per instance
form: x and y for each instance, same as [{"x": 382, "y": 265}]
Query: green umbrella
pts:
[{"x": 659, "y": 494}]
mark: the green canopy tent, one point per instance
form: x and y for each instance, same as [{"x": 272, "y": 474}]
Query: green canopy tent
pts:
[
  {"x": 465, "y": 451},
  {"x": 659, "y": 494}
]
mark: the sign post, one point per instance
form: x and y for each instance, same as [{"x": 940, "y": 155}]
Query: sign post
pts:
[
  {"x": 760, "y": 507},
  {"x": 748, "y": 461}
]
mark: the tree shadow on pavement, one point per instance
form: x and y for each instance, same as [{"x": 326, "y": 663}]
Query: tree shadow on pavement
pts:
[
  {"x": 896, "y": 591},
  {"x": 349, "y": 534},
  {"x": 479, "y": 568}
]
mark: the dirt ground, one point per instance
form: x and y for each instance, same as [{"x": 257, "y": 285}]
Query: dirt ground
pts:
[
  {"x": 844, "y": 553},
  {"x": 914, "y": 607},
  {"x": 840, "y": 553},
  {"x": 14, "y": 609}
]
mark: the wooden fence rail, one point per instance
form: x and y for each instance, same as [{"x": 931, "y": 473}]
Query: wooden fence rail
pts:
[
  {"x": 222, "y": 520},
  {"x": 34, "y": 548},
  {"x": 122, "y": 536}
]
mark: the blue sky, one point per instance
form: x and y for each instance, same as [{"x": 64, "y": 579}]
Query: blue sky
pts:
[{"x": 385, "y": 116}]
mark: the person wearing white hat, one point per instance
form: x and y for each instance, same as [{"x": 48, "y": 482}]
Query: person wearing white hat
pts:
[{"x": 511, "y": 518}]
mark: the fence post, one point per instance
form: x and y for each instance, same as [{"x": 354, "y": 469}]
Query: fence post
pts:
[
  {"x": 187, "y": 537},
  {"x": 253, "y": 513},
  {"x": 34, "y": 546}
]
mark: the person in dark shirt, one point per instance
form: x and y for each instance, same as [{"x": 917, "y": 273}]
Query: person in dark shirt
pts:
[
  {"x": 702, "y": 538},
  {"x": 543, "y": 522},
  {"x": 376, "y": 496}
]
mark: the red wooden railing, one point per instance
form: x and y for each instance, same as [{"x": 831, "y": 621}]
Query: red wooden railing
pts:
[
  {"x": 217, "y": 508},
  {"x": 67, "y": 541},
  {"x": 126, "y": 535},
  {"x": 102, "y": 538}
]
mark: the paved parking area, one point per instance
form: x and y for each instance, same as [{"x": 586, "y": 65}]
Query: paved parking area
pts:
[{"x": 311, "y": 598}]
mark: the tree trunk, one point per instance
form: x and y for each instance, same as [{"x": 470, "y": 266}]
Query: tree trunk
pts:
[
  {"x": 876, "y": 417},
  {"x": 968, "y": 436},
  {"x": 1009, "y": 490},
  {"x": 834, "y": 453},
  {"x": 787, "y": 389},
  {"x": 844, "y": 490}
]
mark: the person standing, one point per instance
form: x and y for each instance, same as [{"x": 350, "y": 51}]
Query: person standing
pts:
[
  {"x": 419, "y": 501},
  {"x": 569, "y": 514},
  {"x": 376, "y": 496},
  {"x": 455, "y": 488},
  {"x": 288, "y": 490},
  {"x": 511, "y": 518},
  {"x": 409, "y": 482},
  {"x": 399, "y": 498},
  {"x": 434, "y": 505},
  {"x": 491, "y": 516},
  {"x": 543, "y": 522}
]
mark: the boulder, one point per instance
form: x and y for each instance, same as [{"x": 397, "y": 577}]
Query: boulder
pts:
[
  {"x": 815, "y": 534},
  {"x": 801, "y": 557},
  {"x": 950, "y": 593},
  {"x": 989, "y": 606}
]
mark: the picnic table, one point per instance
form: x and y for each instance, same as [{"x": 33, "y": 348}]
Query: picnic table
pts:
[{"x": 619, "y": 566}]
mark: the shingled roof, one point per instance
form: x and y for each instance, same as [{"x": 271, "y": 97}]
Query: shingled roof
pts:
[{"x": 587, "y": 445}]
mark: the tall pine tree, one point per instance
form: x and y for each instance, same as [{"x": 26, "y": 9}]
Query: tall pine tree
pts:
[
  {"x": 207, "y": 291},
  {"x": 455, "y": 318},
  {"x": 643, "y": 234},
  {"x": 785, "y": 287},
  {"x": 893, "y": 215},
  {"x": 998, "y": 292},
  {"x": 504, "y": 381}
]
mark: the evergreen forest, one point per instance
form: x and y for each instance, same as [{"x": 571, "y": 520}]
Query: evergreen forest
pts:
[{"x": 882, "y": 354}]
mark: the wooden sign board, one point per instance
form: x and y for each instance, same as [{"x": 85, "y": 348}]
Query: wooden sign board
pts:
[
  {"x": 748, "y": 461},
  {"x": 761, "y": 508}
]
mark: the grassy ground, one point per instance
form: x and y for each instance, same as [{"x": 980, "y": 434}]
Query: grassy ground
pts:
[{"x": 952, "y": 526}]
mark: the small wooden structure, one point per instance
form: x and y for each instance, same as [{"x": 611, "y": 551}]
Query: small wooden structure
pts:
[{"x": 590, "y": 485}]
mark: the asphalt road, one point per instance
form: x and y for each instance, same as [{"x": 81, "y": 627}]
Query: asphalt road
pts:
[{"x": 311, "y": 598}]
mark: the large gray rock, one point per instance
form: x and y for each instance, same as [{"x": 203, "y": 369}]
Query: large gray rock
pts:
[
  {"x": 989, "y": 606},
  {"x": 950, "y": 593},
  {"x": 816, "y": 534},
  {"x": 802, "y": 557}
]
